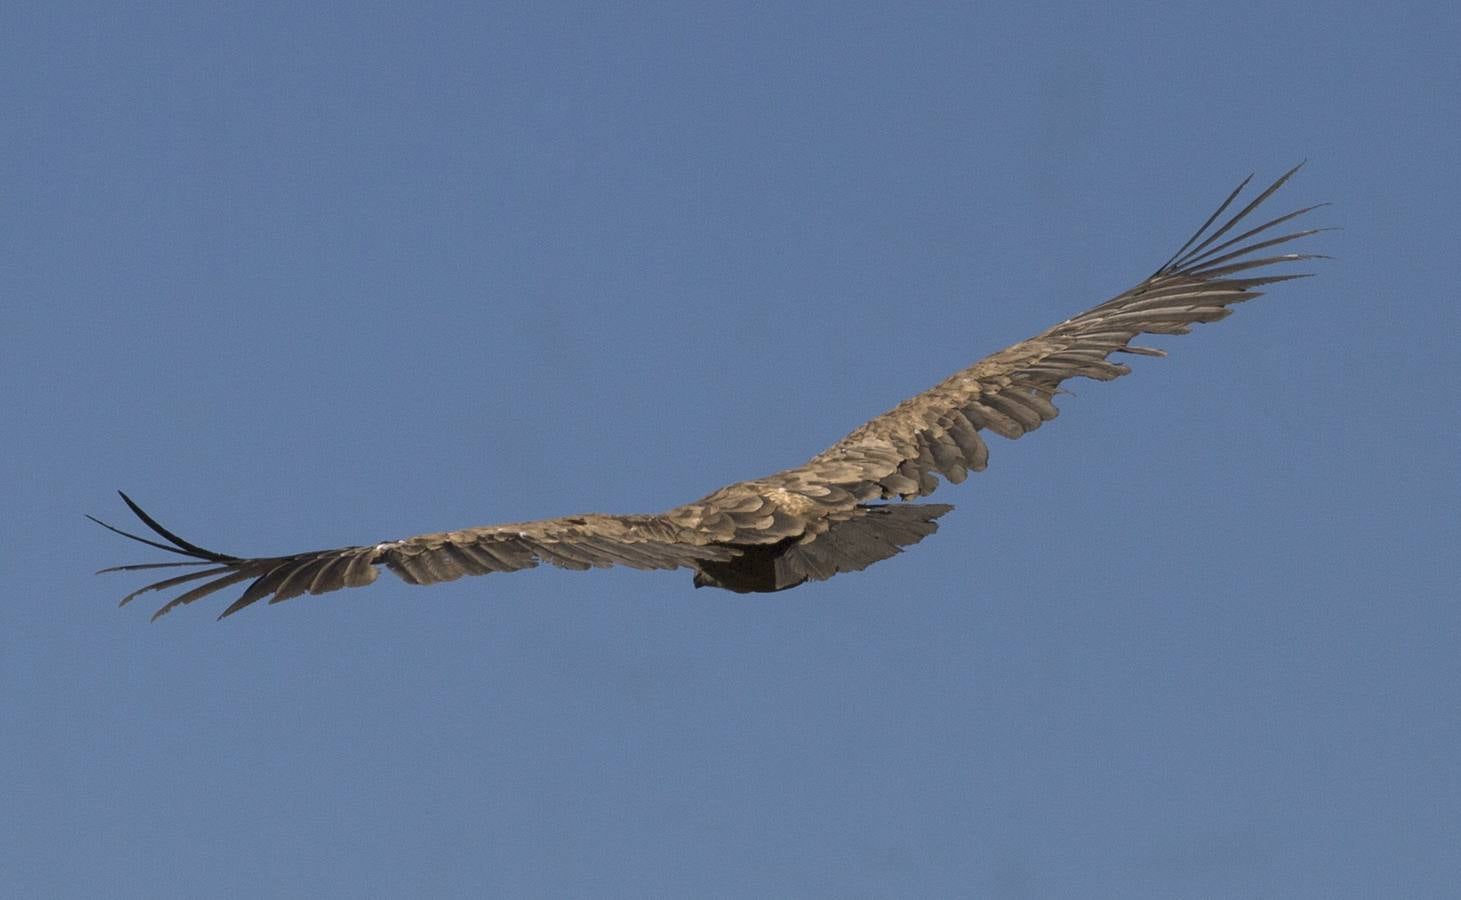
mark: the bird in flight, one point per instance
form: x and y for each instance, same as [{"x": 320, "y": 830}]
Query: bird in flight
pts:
[{"x": 842, "y": 510}]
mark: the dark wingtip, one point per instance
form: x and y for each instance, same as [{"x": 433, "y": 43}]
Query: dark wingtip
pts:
[
  {"x": 175, "y": 544},
  {"x": 187, "y": 547},
  {"x": 138, "y": 538},
  {"x": 1203, "y": 245}
]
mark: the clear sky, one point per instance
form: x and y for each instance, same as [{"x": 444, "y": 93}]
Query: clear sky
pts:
[{"x": 304, "y": 275}]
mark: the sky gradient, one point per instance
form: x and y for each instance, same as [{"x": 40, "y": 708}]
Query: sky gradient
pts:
[{"x": 305, "y": 277}]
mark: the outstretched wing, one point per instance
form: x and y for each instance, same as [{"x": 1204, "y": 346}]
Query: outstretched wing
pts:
[
  {"x": 572, "y": 542},
  {"x": 901, "y": 453}
]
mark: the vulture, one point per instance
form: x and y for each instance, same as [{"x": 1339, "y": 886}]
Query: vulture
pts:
[{"x": 841, "y": 511}]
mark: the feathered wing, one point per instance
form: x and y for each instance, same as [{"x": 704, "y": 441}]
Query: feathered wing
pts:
[
  {"x": 823, "y": 517},
  {"x": 571, "y": 542},
  {"x": 940, "y": 432}
]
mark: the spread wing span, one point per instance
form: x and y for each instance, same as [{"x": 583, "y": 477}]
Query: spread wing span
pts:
[{"x": 842, "y": 510}]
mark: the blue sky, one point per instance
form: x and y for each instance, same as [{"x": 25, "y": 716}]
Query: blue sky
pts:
[{"x": 303, "y": 277}]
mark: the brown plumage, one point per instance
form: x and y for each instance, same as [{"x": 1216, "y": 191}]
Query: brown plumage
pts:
[{"x": 839, "y": 512}]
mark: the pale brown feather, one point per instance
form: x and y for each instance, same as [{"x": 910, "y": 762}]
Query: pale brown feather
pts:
[{"x": 821, "y": 518}]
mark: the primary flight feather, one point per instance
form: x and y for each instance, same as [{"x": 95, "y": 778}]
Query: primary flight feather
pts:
[{"x": 843, "y": 509}]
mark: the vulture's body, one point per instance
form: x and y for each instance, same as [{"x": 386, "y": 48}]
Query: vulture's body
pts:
[{"x": 841, "y": 511}]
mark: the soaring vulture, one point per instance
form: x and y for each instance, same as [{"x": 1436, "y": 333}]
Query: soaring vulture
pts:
[{"x": 842, "y": 510}]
